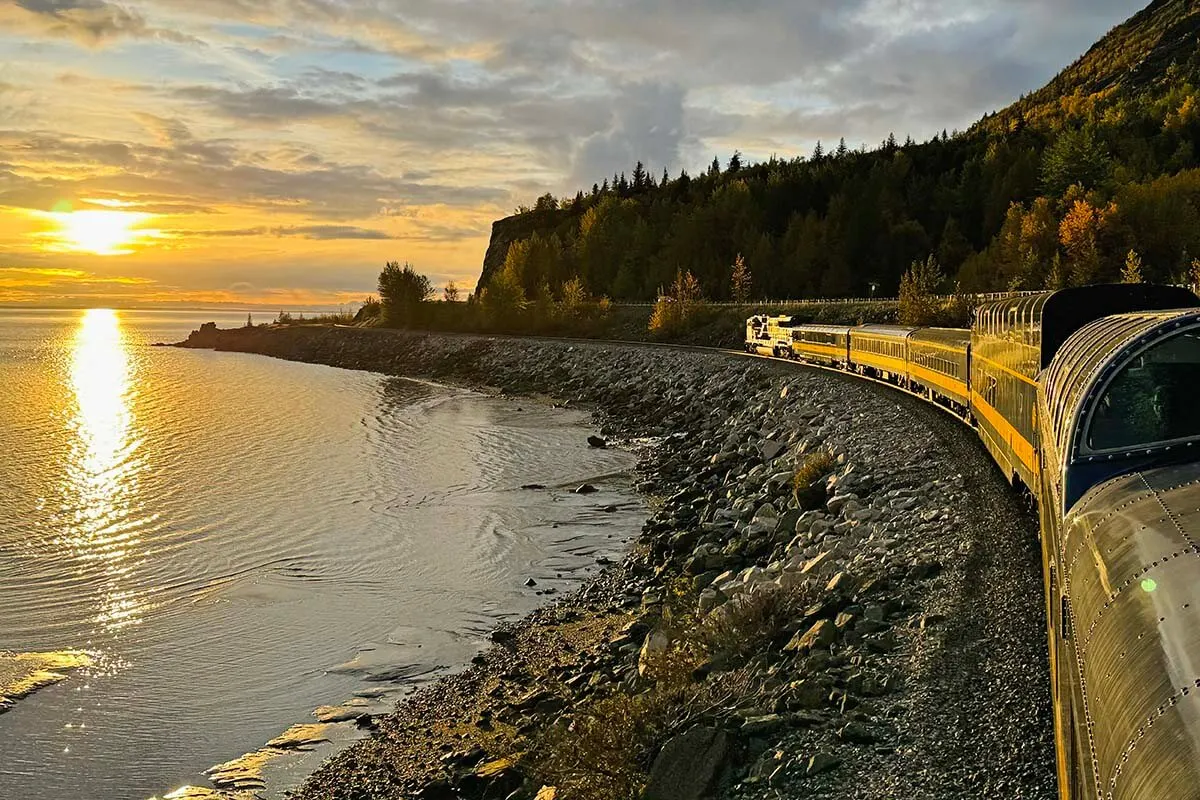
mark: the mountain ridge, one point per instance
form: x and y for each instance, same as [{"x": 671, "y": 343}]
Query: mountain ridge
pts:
[{"x": 1069, "y": 184}]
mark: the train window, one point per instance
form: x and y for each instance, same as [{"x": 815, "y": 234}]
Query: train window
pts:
[{"x": 1152, "y": 399}]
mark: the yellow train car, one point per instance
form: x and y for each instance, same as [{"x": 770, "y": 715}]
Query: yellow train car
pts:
[
  {"x": 881, "y": 351},
  {"x": 1006, "y": 357},
  {"x": 939, "y": 365},
  {"x": 828, "y": 345}
]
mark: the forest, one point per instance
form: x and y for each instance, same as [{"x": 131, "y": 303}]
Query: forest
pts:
[{"x": 1094, "y": 178}]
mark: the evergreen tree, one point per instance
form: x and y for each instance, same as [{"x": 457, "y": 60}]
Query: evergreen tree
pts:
[
  {"x": 714, "y": 169},
  {"x": 639, "y": 177},
  {"x": 818, "y": 152},
  {"x": 735, "y": 161}
]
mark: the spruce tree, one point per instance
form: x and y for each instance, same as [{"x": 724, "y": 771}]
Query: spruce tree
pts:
[{"x": 639, "y": 177}]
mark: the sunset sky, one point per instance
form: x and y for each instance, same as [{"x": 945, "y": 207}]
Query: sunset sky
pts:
[{"x": 280, "y": 151}]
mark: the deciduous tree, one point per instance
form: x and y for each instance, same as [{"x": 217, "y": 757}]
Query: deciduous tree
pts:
[
  {"x": 739, "y": 283},
  {"x": 401, "y": 291}
]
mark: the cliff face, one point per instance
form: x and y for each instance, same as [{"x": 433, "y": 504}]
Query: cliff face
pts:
[{"x": 513, "y": 229}]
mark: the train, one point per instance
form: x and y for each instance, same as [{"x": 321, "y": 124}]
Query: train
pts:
[{"x": 1088, "y": 399}]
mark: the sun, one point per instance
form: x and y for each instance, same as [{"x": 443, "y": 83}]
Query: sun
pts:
[{"x": 102, "y": 233}]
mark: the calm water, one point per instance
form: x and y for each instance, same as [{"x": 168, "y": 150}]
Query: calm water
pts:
[{"x": 236, "y": 540}]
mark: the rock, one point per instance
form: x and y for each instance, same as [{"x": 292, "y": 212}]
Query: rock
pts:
[
  {"x": 808, "y": 694},
  {"x": 763, "y": 726},
  {"x": 821, "y": 634},
  {"x": 814, "y": 563},
  {"x": 597, "y": 442},
  {"x": 533, "y": 486},
  {"x": 437, "y": 790},
  {"x": 859, "y": 733},
  {"x": 771, "y": 449},
  {"x": 841, "y": 583},
  {"x": 838, "y": 502},
  {"x": 821, "y": 762},
  {"x": 531, "y": 582},
  {"x": 493, "y": 779},
  {"x": 656, "y": 643},
  {"x": 689, "y": 766},
  {"x": 586, "y": 488},
  {"x": 340, "y": 714}
]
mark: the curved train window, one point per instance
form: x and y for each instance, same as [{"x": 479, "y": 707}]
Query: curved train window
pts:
[{"x": 1152, "y": 400}]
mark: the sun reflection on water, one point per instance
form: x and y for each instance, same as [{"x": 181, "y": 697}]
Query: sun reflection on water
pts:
[{"x": 102, "y": 473}]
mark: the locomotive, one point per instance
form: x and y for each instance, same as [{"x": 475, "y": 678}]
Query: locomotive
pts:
[{"x": 1089, "y": 399}]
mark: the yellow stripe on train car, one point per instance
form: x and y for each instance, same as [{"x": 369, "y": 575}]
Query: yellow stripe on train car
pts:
[
  {"x": 824, "y": 349},
  {"x": 1018, "y": 443},
  {"x": 868, "y": 359},
  {"x": 1009, "y": 370},
  {"x": 944, "y": 382}
]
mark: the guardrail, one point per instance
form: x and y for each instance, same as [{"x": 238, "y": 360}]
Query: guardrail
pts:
[{"x": 827, "y": 301}]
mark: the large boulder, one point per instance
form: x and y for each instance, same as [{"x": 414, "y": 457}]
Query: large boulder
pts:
[{"x": 689, "y": 767}]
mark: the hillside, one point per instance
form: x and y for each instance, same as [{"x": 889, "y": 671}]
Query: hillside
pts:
[{"x": 1096, "y": 171}]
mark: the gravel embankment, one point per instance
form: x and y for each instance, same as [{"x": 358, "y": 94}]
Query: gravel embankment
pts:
[{"x": 914, "y": 667}]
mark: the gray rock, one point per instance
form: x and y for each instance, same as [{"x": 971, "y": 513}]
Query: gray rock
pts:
[
  {"x": 689, "y": 766},
  {"x": 771, "y": 449},
  {"x": 764, "y": 725},
  {"x": 859, "y": 733},
  {"x": 821, "y": 762}
]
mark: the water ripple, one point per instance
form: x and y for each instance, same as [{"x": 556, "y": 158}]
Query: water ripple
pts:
[{"x": 236, "y": 541}]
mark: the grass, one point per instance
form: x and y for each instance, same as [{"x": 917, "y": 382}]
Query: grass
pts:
[
  {"x": 752, "y": 623},
  {"x": 605, "y": 750},
  {"x": 807, "y": 486}
]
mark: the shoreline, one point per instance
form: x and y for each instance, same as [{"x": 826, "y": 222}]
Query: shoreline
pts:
[{"x": 846, "y": 627}]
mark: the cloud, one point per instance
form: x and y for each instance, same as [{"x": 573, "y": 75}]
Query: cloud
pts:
[
  {"x": 267, "y": 104},
  {"x": 86, "y": 20},
  {"x": 317, "y": 232},
  {"x": 28, "y": 278},
  {"x": 90, "y": 22},
  {"x": 319, "y": 132}
]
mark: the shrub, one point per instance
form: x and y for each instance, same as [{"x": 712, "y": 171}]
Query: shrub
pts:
[
  {"x": 750, "y": 623},
  {"x": 605, "y": 750},
  {"x": 806, "y": 483},
  {"x": 674, "y": 308}
]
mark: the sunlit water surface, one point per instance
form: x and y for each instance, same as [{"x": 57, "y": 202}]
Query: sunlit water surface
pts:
[{"x": 235, "y": 540}]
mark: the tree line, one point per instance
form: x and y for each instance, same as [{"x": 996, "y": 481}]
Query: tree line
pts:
[{"x": 1048, "y": 198}]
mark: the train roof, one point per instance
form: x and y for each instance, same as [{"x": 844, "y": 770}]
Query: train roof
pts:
[
  {"x": 941, "y": 335},
  {"x": 1081, "y": 371},
  {"x": 1046, "y": 320},
  {"x": 823, "y": 327},
  {"x": 892, "y": 331}
]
